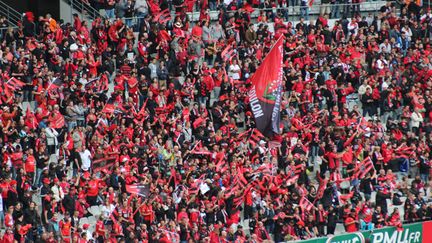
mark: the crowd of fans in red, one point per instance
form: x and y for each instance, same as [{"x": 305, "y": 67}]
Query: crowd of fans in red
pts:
[{"x": 178, "y": 120}]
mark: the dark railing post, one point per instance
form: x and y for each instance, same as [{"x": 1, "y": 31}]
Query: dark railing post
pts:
[{"x": 71, "y": 11}]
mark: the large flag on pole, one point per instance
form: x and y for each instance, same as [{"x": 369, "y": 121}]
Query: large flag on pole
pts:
[{"x": 266, "y": 92}]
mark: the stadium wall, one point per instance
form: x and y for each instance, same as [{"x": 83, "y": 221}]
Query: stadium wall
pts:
[{"x": 411, "y": 233}]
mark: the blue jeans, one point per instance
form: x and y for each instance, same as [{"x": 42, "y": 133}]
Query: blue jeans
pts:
[
  {"x": 141, "y": 17},
  {"x": 202, "y": 100},
  {"x": 2, "y": 218},
  {"x": 212, "y": 5},
  {"x": 346, "y": 7},
  {"x": 304, "y": 11},
  {"x": 37, "y": 182},
  {"x": 334, "y": 11},
  {"x": 128, "y": 22},
  {"x": 71, "y": 125},
  {"x": 424, "y": 177},
  {"x": 110, "y": 13},
  {"x": 313, "y": 154},
  {"x": 285, "y": 14},
  {"x": 366, "y": 226}
]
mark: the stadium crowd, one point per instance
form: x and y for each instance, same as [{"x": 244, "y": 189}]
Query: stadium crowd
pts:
[{"x": 90, "y": 110}]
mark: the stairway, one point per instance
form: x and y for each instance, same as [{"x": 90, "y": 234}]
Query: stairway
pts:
[
  {"x": 12, "y": 16},
  {"x": 84, "y": 11}
]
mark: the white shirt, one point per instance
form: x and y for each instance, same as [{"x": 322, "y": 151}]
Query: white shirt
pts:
[
  {"x": 1, "y": 203},
  {"x": 107, "y": 210},
  {"x": 233, "y": 69},
  {"x": 85, "y": 159},
  {"x": 416, "y": 118},
  {"x": 380, "y": 63},
  {"x": 353, "y": 27},
  {"x": 362, "y": 89},
  {"x": 51, "y": 135},
  {"x": 58, "y": 193},
  {"x": 384, "y": 85}
]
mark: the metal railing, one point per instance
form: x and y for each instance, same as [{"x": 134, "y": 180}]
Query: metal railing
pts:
[
  {"x": 341, "y": 8},
  {"x": 9, "y": 27},
  {"x": 12, "y": 16},
  {"x": 289, "y": 12},
  {"x": 84, "y": 9}
]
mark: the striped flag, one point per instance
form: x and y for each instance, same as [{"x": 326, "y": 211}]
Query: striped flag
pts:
[
  {"x": 112, "y": 107},
  {"x": 363, "y": 168},
  {"x": 14, "y": 83},
  {"x": 292, "y": 180},
  {"x": 162, "y": 17},
  {"x": 227, "y": 53},
  {"x": 306, "y": 204},
  {"x": 91, "y": 82},
  {"x": 173, "y": 237},
  {"x": 321, "y": 188},
  {"x": 255, "y": 137},
  {"x": 57, "y": 120},
  {"x": 55, "y": 84}
]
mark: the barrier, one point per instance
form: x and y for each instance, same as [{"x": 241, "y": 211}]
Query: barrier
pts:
[{"x": 411, "y": 233}]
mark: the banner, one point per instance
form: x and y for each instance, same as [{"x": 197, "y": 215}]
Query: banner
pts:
[
  {"x": 139, "y": 189},
  {"x": 266, "y": 92},
  {"x": 103, "y": 163},
  {"x": 411, "y": 233}
]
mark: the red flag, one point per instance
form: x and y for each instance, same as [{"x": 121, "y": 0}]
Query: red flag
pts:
[
  {"x": 111, "y": 107},
  {"x": 241, "y": 180},
  {"x": 227, "y": 53},
  {"x": 321, "y": 189},
  {"x": 8, "y": 91},
  {"x": 363, "y": 168},
  {"x": 248, "y": 8},
  {"x": 266, "y": 92},
  {"x": 299, "y": 168},
  {"x": 15, "y": 83},
  {"x": 171, "y": 236},
  {"x": 55, "y": 84},
  {"x": 306, "y": 204},
  {"x": 345, "y": 197},
  {"x": 397, "y": 134},
  {"x": 255, "y": 137},
  {"x": 292, "y": 180},
  {"x": 154, "y": 8},
  {"x": 108, "y": 108},
  {"x": 142, "y": 113},
  {"x": 163, "y": 17},
  {"x": 363, "y": 124},
  {"x": 57, "y": 120},
  {"x": 103, "y": 82},
  {"x": 103, "y": 163},
  {"x": 198, "y": 122}
]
